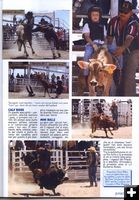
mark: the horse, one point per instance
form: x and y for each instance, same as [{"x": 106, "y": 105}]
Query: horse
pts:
[{"x": 24, "y": 34}]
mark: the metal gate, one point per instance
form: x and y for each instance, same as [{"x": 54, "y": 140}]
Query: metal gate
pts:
[
  {"x": 76, "y": 161},
  {"x": 17, "y": 165}
]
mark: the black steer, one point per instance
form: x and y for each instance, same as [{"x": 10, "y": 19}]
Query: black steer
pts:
[{"x": 53, "y": 177}]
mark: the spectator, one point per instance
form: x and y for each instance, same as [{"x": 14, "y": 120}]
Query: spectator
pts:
[
  {"x": 19, "y": 145},
  {"x": 63, "y": 78},
  {"x": 53, "y": 77},
  {"x": 17, "y": 76},
  {"x": 14, "y": 20}
]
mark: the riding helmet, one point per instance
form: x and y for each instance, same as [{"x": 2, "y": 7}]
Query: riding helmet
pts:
[{"x": 94, "y": 9}]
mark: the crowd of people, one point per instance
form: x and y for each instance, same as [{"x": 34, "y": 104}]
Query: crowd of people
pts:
[
  {"x": 35, "y": 77},
  {"x": 9, "y": 31}
]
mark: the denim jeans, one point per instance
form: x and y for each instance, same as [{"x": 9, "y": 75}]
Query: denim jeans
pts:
[
  {"x": 131, "y": 65},
  {"x": 115, "y": 118},
  {"x": 92, "y": 173},
  {"x": 87, "y": 55}
]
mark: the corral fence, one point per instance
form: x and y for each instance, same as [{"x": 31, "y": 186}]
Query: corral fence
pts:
[
  {"x": 18, "y": 84},
  {"x": 74, "y": 160}
]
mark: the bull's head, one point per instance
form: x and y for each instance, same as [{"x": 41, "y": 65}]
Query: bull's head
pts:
[{"x": 62, "y": 175}]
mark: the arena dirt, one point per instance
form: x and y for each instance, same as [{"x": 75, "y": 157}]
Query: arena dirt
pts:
[{"x": 18, "y": 186}]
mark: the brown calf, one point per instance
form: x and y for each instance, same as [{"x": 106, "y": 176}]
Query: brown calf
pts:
[
  {"x": 101, "y": 70},
  {"x": 103, "y": 122}
]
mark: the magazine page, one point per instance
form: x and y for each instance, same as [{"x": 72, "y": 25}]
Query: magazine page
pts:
[{"x": 70, "y": 99}]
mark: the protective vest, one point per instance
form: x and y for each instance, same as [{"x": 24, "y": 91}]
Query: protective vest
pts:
[{"x": 96, "y": 31}]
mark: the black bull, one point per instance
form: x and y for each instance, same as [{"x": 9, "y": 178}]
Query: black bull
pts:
[
  {"x": 103, "y": 122},
  {"x": 50, "y": 179}
]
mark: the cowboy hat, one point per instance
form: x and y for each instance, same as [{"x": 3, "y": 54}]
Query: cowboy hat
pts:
[{"x": 92, "y": 149}]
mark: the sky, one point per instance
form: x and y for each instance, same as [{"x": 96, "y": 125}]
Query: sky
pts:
[
  {"x": 37, "y": 5},
  {"x": 61, "y": 7}
]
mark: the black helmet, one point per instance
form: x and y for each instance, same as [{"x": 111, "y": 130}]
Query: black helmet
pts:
[
  {"x": 42, "y": 20},
  {"x": 94, "y": 9}
]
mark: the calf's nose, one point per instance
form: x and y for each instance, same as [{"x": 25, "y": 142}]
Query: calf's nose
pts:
[{"x": 93, "y": 83}]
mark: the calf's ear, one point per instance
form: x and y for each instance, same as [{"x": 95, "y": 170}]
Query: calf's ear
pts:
[
  {"x": 83, "y": 64},
  {"x": 110, "y": 68}
]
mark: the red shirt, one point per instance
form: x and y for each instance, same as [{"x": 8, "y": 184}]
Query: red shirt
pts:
[{"x": 131, "y": 28}]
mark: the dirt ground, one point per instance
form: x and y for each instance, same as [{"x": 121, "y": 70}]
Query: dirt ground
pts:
[
  {"x": 38, "y": 95},
  {"x": 42, "y": 51},
  {"x": 86, "y": 133},
  {"x": 68, "y": 189}
]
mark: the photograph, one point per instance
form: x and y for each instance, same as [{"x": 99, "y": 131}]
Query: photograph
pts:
[
  {"x": 105, "y": 61},
  {"x": 31, "y": 34},
  {"x": 47, "y": 80},
  {"x": 54, "y": 168},
  {"x": 102, "y": 118}
]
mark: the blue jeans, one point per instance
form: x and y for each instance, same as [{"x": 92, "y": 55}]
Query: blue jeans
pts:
[
  {"x": 131, "y": 66},
  {"x": 92, "y": 170},
  {"x": 115, "y": 118},
  {"x": 87, "y": 55}
]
